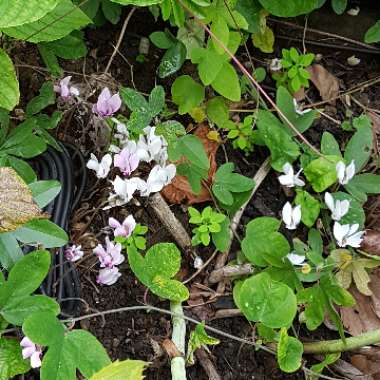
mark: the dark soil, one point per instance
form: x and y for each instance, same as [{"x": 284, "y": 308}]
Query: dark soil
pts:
[{"x": 136, "y": 335}]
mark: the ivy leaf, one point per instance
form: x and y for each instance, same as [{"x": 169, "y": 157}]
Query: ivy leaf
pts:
[
  {"x": 25, "y": 277},
  {"x": 9, "y": 87},
  {"x": 124, "y": 370},
  {"x": 11, "y": 361},
  {"x": 310, "y": 207},
  {"x": 155, "y": 270},
  {"x": 262, "y": 299},
  {"x": 67, "y": 351},
  {"x": 263, "y": 245},
  {"x": 289, "y": 352},
  {"x": 172, "y": 60}
]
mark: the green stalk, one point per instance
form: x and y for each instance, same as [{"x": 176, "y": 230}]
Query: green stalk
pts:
[
  {"x": 177, "y": 364},
  {"x": 332, "y": 346}
]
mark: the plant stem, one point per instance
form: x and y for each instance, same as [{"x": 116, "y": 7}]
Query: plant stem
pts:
[
  {"x": 178, "y": 337},
  {"x": 331, "y": 346}
]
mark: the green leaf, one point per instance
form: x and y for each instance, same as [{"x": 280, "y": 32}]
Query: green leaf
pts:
[
  {"x": 134, "y": 100},
  {"x": 310, "y": 207},
  {"x": 283, "y": 149},
  {"x": 156, "y": 101},
  {"x": 329, "y": 359},
  {"x": 67, "y": 351},
  {"x": 10, "y": 251},
  {"x": 50, "y": 60},
  {"x": 359, "y": 148},
  {"x": 263, "y": 245},
  {"x": 69, "y": 47},
  {"x": 138, "y": 3},
  {"x": 9, "y": 88},
  {"x": 161, "y": 262},
  {"x": 124, "y": 370},
  {"x": 217, "y": 111},
  {"x": 339, "y": 6},
  {"x": 250, "y": 10},
  {"x": 172, "y": 60},
  {"x": 289, "y": 352},
  {"x": 227, "y": 83},
  {"x": 187, "y": 93},
  {"x": 43, "y": 232},
  {"x": 367, "y": 183},
  {"x": 23, "y": 169},
  {"x": 291, "y": 8},
  {"x": 314, "y": 312},
  {"x": 11, "y": 361},
  {"x": 170, "y": 130},
  {"x": 111, "y": 11},
  {"x": 329, "y": 145},
  {"x": 321, "y": 173},
  {"x": 58, "y": 23},
  {"x": 264, "y": 40},
  {"x": 373, "y": 33},
  {"x": 262, "y": 299},
  {"x": 209, "y": 62},
  {"x": 221, "y": 239},
  {"x": 45, "y": 191},
  {"x": 355, "y": 213},
  {"x": 20, "y": 12},
  {"x": 221, "y": 30},
  {"x": 45, "y": 98},
  {"x": 162, "y": 39}
]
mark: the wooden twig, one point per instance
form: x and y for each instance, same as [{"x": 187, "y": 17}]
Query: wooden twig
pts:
[
  {"x": 227, "y": 313},
  {"x": 230, "y": 271},
  {"x": 207, "y": 364}
]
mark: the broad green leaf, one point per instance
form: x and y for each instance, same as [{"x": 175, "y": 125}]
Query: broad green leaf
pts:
[
  {"x": 69, "y": 47},
  {"x": 367, "y": 183},
  {"x": 112, "y": 11},
  {"x": 17, "y": 206},
  {"x": 162, "y": 39},
  {"x": 124, "y": 370},
  {"x": 250, "y": 10},
  {"x": 10, "y": 251},
  {"x": 313, "y": 300},
  {"x": 156, "y": 101},
  {"x": 339, "y": 6},
  {"x": 43, "y": 232},
  {"x": 310, "y": 207},
  {"x": 45, "y": 191},
  {"x": 134, "y": 100},
  {"x": 9, "y": 88},
  {"x": 283, "y": 149},
  {"x": 19, "y": 12},
  {"x": 227, "y": 83},
  {"x": 138, "y": 3},
  {"x": 264, "y": 40},
  {"x": 171, "y": 130},
  {"x": 209, "y": 63},
  {"x": 329, "y": 145},
  {"x": 222, "y": 239},
  {"x": 67, "y": 351},
  {"x": 262, "y": 299},
  {"x": 45, "y": 98},
  {"x": 191, "y": 35},
  {"x": 290, "y": 8},
  {"x": 263, "y": 245},
  {"x": 172, "y": 60},
  {"x": 289, "y": 352},
  {"x": 11, "y": 361},
  {"x": 373, "y": 33},
  {"x": 221, "y": 30},
  {"x": 58, "y": 23},
  {"x": 217, "y": 111},
  {"x": 187, "y": 93},
  {"x": 321, "y": 173},
  {"x": 23, "y": 169}
]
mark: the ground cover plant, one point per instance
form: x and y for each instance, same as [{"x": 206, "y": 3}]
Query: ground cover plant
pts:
[{"x": 191, "y": 197}]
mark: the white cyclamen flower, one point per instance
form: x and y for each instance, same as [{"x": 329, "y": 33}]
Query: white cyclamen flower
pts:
[
  {"x": 123, "y": 191},
  {"x": 289, "y": 179},
  {"x": 348, "y": 234},
  {"x": 158, "y": 178},
  {"x": 298, "y": 109},
  {"x": 296, "y": 259},
  {"x": 337, "y": 207},
  {"x": 345, "y": 173},
  {"x": 152, "y": 147},
  {"x": 101, "y": 168},
  {"x": 291, "y": 216},
  {"x": 108, "y": 276}
]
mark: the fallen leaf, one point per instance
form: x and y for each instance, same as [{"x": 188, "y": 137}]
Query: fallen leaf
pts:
[
  {"x": 179, "y": 191},
  {"x": 371, "y": 242},
  {"x": 368, "y": 366},
  {"x": 171, "y": 349},
  {"x": 349, "y": 371},
  {"x": 17, "y": 206},
  {"x": 326, "y": 83},
  {"x": 375, "y": 118}
]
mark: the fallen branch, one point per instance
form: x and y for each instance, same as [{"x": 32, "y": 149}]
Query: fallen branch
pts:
[
  {"x": 207, "y": 364},
  {"x": 227, "y": 313},
  {"x": 230, "y": 271}
]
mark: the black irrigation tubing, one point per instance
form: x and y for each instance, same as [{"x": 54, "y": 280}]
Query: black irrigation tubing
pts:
[{"x": 69, "y": 168}]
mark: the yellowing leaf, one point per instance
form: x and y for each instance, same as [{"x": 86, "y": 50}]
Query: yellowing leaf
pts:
[
  {"x": 214, "y": 136},
  {"x": 361, "y": 278},
  {"x": 198, "y": 114},
  {"x": 17, "y": 206},
  {"x": 125, "y": 370},
  {"x": 264, "y": 40}
]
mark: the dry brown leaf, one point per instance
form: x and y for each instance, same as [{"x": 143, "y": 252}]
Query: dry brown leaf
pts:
[
  {"x": 367, "y": 366},
  {"x": 349, "y": 371},
  {"x": 371, "y": 242},
  {"x": 179, "y": 191},
  {"x": 17, "y": 206},
  {"x": 171, "y": 349},
  {"x": 375, "y": 118},
  {"x": 326, "y": 83}
]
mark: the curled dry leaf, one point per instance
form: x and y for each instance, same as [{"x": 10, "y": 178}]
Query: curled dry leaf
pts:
[
  {"x": 326, "y": 83},
  {"x": 179, "y": 191},
  {"x": 17, "y": 206},
  {"x": 371, "y": 242}
]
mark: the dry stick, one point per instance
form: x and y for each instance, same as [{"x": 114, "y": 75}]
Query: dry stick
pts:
[
  {"x": 207, "y": 364},
  {"x": 120, "y": 40},
  {"x": 227, "y": 313},
  {"x": 230, "y": 271}
]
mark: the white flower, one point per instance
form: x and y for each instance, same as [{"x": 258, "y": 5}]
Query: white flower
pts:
[
  {"x": 152, "y": 147},
  {"x": 275, "y": 65},
  {"x": 291, "y": 216},
  {"x": 345, "y": 173},
  {"x": 296, "y": 259},
  {"x": 108, "y": 276},
  {"x": 123, "y": 191},
  {"x": 74, "y": 253},
  {"x": 348, "y": 234},
  {"x": 101, "y": 168},
  {"x": 289, "y": 179},
  {"x": 32, "y": 351},
  {"x": 353, "y": 11},
  {"x": 158, "y": 178},
  {"x": 298, "y": 109},
  {"x": 198, "y": 262},
  {"x": 338, "y": 208}
]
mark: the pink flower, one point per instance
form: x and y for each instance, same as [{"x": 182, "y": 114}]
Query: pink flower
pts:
[
  {"x": 108, "y": 276},
  {"x": 65, "y": 90},
  {"x": 32, "y": 351},
  {"x": 74, "y": 253},
  {"x": 110, "y": 256},
  {"x": 107, "y": 104},
  {"x": 125, "y": 229},
  {"x": 127, "y": 161}
]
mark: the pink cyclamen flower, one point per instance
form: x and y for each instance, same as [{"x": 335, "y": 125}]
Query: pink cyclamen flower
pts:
[
  {"x": 32, "y": 351},
  {"x": 65, "y": 90},
  {"x": 108, "y": 276},
  {"x": 110, "y": 256},
  {"x": 124, "y": 229},
  {"x": 127, "y": 161},
  {"x": 107, "y": 104},
  {"x": 74, "y": 253}
]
